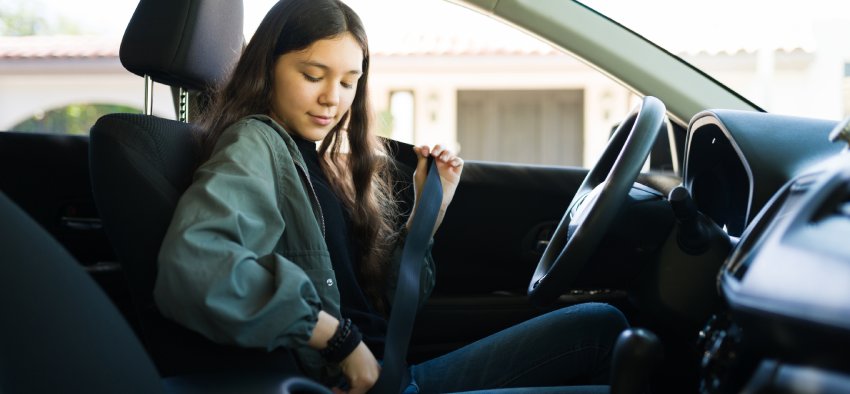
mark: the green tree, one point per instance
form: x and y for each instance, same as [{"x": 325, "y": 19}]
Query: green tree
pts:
[
  {"x": 71, "y": 119},
  {"x": 21, "y": 23},
  {"x": 26, "y": 19}
]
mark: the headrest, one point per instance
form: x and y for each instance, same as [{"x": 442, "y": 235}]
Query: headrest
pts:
[{"x": 187, "y": 43}]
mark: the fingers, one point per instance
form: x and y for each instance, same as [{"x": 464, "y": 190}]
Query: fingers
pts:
[
  {"x": 361, "y": 369},
  {"x": 437, "y": 151},
  {"x": 456, "y": 162},
  {"x": 422, "y": 151},
  {"x": 440, "y": 154}
]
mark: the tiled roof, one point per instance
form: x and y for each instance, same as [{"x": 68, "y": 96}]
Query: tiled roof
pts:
[
  {"x": 417, "y": 44},
  {"x": 88, "y": 47},
  {"x": 58, "y": 47}
]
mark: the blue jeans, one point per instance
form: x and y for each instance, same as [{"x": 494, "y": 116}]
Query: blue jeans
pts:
[{"x": 565, "y": 347}]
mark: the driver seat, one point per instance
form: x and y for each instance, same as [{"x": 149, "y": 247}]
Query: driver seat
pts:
[{"x": 141, "y": 164}]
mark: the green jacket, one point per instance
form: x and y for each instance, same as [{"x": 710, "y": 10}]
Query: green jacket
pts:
[{"x": 244, "y": 261}]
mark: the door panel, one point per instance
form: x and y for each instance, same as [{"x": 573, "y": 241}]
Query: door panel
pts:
[
  {"x": 486, "y": 250},
  {"x": 487, "y": 242}
]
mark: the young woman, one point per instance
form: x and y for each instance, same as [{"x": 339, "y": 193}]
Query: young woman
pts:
[{"x": 279, "y": 244}]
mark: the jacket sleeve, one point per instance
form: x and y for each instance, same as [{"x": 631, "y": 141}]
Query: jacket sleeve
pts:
[{"x": 218, "y": 272}]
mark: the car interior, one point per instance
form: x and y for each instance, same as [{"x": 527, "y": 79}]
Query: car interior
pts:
[{"x": 732, "y": 271}]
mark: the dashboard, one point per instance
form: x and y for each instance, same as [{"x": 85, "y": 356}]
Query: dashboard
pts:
[
  {"x": 781, "y": 186},
  {"x": 795, "y": 262}
]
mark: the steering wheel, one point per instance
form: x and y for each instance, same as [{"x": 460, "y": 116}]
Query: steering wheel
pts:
[{"x": 597, "y": 202}]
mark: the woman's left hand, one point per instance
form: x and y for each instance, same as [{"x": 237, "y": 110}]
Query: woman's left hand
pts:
[{"x": 449, "y": 166}]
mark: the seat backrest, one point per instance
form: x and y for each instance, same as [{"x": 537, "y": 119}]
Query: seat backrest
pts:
[
  {"x": 59, "y": 331},
  {"x": 141, "y": 164}
]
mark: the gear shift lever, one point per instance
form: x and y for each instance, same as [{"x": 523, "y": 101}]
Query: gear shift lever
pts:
[{"x": 637, "y": 354}]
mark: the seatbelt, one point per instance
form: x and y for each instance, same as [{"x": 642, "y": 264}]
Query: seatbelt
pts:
[{"x": 395, "y": 376}]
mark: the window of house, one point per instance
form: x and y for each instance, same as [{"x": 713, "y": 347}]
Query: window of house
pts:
[{"x": 402, "y": 108}]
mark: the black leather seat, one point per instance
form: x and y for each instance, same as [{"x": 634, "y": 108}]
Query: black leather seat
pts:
[
  {"x": 141, "y": 164},
  {"x": 61, "y": 334}
]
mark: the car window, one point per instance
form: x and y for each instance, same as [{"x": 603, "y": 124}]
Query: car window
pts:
[
  {"x": 59, "y": 66},
  {"x": 63, "y": 83},
  {"x": 794, "y": 60}
]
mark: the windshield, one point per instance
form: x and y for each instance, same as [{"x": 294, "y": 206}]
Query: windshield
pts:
[{"x": 788, "y": 57}]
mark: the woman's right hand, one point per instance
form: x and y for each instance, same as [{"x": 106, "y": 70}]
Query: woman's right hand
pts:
[
  {"x": 449, "y": 167},
  {"x": 361, "y": 369}
]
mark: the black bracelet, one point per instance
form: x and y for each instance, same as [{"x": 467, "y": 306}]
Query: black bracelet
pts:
[
  {"x": 342, "y": 331},
  {"x": 342, "y": 343}
]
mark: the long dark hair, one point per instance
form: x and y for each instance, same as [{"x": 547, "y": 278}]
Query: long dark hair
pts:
[{"x": 362, "y": 177}]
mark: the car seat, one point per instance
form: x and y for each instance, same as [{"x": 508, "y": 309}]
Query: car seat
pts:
[
  {"x": 61, "y": 334},
  {"x": 141, "y": 164}
]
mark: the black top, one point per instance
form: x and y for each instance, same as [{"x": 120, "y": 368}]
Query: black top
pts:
[{"x": 345, "y": 254}]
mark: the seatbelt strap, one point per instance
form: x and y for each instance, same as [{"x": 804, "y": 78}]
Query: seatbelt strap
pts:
[{"x": 395, "y": 376}]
